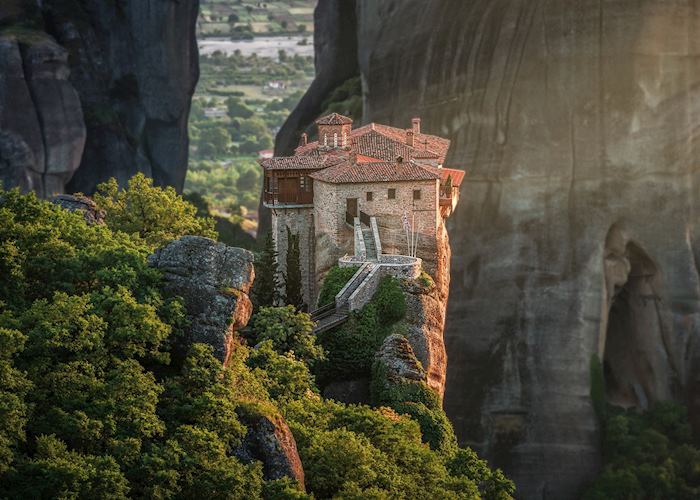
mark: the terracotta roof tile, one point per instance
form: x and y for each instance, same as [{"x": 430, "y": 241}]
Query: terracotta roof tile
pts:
[
  {"x": 334, "y": 119},
  {"x": 444, "y": 173},
  {"x": 386, "y": 143},
  {"x": 308, "y": 162},
  {"x": 384, "y": 171}
]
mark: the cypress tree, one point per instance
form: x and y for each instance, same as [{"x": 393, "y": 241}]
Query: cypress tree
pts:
[
  {"x": 292, "y": 279},
  {"x": 266, "y": 286}
]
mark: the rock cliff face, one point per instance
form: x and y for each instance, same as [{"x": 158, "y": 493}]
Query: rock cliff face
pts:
[
  {"x": 576, "y": 234},
  {"x": 92, "y": 89},
  {"x": 42, "y": 132}
]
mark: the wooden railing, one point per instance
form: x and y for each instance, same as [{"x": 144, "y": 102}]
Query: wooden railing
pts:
[{"x": 297, "y": 198}]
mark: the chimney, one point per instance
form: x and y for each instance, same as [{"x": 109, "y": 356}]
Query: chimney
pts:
[
  {"x": 304, "y": 139},
  {"x": 409, "y": 137},
  {"x": 416, "y": 126}
]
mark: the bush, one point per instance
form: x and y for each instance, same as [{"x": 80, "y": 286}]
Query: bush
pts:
[
  {"x": 390, "y": 300},
  {"x": 289, "y": 331},
  {"x": 335, "y": 280},
  {"x": 351, "y": 347}
]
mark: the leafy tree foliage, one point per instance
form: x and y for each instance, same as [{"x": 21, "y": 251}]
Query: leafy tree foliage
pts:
[
  {"x": 93, "y": 405},
  {"x": 290, "y": 332},
  {"x": 237, "y": 108},
  {"x": 292, "y": 278},
  {"x": 351, "y": 347},
  {"x": 648, "y": 455},
  {"x": 156, "y": 215}
]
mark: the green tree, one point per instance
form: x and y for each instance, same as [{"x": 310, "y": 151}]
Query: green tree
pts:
[
  {"x": 292, "y": 278},
  {"x": 155, "y": 215},
  {"x": 218, "y": 137},
  {"x": 648, "y": 455},
  {"x": 266, "y": 285},
  {"x": 237, "y": 108},
  {"x": 290, "y": 332}
]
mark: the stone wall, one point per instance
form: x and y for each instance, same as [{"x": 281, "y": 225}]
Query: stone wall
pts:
[
  {"x": 299, "y": 221},
  {"x": 337, "y": 238}
]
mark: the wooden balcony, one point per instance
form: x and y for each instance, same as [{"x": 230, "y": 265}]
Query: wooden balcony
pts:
[{"x": 288, "y": 198}]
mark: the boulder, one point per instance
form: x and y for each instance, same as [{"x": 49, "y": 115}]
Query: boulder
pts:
[
  {"x": 80, "y": 203},
  {"x": 399, "y": 361},
  {"x": 270, "y": 441},
  {"x": 214, "y": 281}
]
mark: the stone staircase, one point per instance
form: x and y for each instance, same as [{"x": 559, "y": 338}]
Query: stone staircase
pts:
[
  {"x": 337, "y": 313},
  {"x": 369, "y": 244}
]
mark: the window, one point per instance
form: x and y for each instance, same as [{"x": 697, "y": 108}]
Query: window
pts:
[
  {"x": 416, "y": 194},
  {"x": 325, "y": 139},
  {"x": 345, "y": 139},
  {"x": 305, "y": 183},
  {"x": 392, "y": 194},
  {"x": 369, "y": 195},
  {"x": 335, "y": 140}
]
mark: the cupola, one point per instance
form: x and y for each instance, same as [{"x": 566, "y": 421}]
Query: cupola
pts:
[{"x": 334, "y": 131}]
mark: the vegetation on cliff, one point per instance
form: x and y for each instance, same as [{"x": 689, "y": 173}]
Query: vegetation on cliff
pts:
[
  {"x": 95, "y": 403},
  {"x": 647, "y": 454}
]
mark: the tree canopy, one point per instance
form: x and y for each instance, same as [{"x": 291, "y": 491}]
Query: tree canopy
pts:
[{"x": 94, "y": 403}]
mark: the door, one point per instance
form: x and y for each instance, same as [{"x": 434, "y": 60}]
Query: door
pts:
[
  {"x": 289, "y": 188},
  {"x": 351, "y": 206}
]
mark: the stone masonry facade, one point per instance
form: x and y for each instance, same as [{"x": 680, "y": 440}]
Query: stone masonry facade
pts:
[{"x": 374, "y": 173}]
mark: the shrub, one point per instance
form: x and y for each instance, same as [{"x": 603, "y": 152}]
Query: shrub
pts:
[
  {"x": 335, "y": 280},
  {"x": 390, "y": 300},
  {"x": 289, "y": 332}
]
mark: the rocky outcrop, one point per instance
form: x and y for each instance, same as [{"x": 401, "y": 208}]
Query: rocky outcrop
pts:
[
  {"x": 572, "y": 119},
  {"x": 399, "y": 361},
  {"x": 270, "y": 441},
  {"x": 42, "y": 133},
  {"x": 214, "y": 281},
  {"x": 116, "y": 77},
  {"x": 81, "y": 203},
  {"x": 425, "y": 322}
]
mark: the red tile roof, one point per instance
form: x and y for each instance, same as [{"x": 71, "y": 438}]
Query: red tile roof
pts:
[
  {"x": 308, "y": 162},
  {"x": 384, "y": 171},
  {"x": 445, "y": 173},
  {"x": 371, "y": 156},
  {"x": 387, "y": 143},
  {"x": 334, "y": 119}
]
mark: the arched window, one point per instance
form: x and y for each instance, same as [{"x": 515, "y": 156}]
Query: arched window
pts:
[
  {"x": 325, "y": 139},
  {"x": 345, "y": 139},
  {"x": 335, "y": 140}
]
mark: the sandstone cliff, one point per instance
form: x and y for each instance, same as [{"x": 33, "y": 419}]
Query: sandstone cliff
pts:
[
  {"x": 92, "y": 89},
  {"x": 576, "y": 234}
]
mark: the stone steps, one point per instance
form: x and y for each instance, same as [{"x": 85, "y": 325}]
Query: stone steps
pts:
[{"x": 370, "y": 246}]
